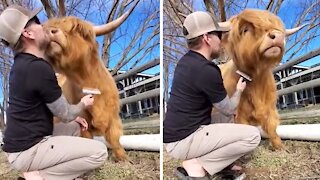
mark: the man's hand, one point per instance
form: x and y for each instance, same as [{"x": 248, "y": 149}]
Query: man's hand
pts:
[
  {"x": 87, "y": 100},
  {"x": 82, "y": 122},
  {"x": 241, "y": 84}
]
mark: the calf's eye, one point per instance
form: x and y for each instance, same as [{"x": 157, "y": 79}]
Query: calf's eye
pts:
[{"x": 246, "y": 29}]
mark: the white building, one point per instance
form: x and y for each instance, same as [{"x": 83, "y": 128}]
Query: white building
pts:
[{"x": 137, "y": 84}]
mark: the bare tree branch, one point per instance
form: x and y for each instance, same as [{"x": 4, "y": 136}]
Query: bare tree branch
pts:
[
  {"x": 108, "y": 37},
  {"x": 62, "y": 8},
  {"x": 278, "y": 5},
  {"x": 147, "y": 51},
  {"x": 175, "y": 42},
  {"x": 210, "y": 6},
  {"x": 302, "y": 35},
  {"x": 5, "y": 4},
  {"x": 170, "y": 49},
  {"x": 124, "y": 60},
  {"x": 187, "y": 7},
  {"x": 48, "y": 8},
  {"x": 270, "y": 5},
  {"x": 222, "y": 10},
  {"x": 302, "y": 44},
  {"x": 175, "y": 9}
]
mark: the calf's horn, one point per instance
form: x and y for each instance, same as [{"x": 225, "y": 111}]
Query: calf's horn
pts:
[
  {"x": 111, "y": 26},
  {"x": 294, "y": 30},
  {"x": 225, "y": 24}
]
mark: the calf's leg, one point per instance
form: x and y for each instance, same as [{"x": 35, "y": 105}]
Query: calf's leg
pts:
[
  {"x": 270, "y": 126},
  {"x": 112, "y": 136}
]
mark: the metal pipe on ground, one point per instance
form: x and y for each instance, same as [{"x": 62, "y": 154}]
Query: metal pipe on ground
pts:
[
  {"x": 142, "y": 142},
  {"x": 307, "y": 132}
]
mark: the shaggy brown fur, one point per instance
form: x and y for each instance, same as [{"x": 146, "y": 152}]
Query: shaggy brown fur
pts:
[
  {"x": 256, "y": 45},
  {"x": 74, "y": 53}
]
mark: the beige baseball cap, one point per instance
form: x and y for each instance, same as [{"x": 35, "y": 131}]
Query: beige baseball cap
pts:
[
  {"x": 198, "y": 23},
  {"x": 12, "y": 22}
]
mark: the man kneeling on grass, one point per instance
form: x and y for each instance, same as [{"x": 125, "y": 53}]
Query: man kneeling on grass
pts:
[
  {"x": 197, "y": 87},
  {"x": 33, "y": 144}
]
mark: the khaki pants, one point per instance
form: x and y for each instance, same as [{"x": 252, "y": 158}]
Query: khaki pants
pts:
[
  {"x": 216, "y": 146},
  {"x": 61, "y": 156}
]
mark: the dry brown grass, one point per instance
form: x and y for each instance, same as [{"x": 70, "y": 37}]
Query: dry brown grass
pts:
[
  {"x": 300, "y": 161},
  {"x": 142, "y": 165}
]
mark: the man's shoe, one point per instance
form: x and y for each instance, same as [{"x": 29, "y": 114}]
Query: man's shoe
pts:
[
  {"x": 199, "y": 178},
  {"x": 182, "y": 174},
  {"x": 241, "y": 177},
  {"x": 229, "y": 173}
]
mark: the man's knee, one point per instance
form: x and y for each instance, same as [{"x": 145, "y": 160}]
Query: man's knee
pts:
[
  {"x": 176, "y": 152},
  {"x": 104, "y": 153},
  {"x": 101, "y": 153},
  {"x": 254, "y": 137}
]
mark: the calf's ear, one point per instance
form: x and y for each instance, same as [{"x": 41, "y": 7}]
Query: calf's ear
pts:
[{"x": 83, "y": 28}]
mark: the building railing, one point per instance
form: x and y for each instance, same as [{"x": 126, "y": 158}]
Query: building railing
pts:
[{"x": 309, "y": 83}]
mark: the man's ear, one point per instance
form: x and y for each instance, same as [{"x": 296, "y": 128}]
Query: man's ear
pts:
[
  {"x": 28, "y": 34},
  {"x": 206, "y": 38}
]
